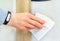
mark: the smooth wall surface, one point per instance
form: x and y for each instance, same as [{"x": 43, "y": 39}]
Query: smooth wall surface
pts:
[
  {"x": 8, "y": 4},
  {"x": 7, "y": 33},
  {"x": 50, "y": 8}
]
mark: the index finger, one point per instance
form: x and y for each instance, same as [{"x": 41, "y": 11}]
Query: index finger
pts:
[{"x": 36, "y": 19}]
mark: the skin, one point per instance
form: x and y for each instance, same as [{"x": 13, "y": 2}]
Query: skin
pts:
[{"x": 25, "y": 21}]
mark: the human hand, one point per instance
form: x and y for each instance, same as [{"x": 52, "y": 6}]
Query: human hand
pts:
[{"x": 25, "y": 21}]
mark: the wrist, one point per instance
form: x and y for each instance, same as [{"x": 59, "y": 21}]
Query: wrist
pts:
[{"x": 10, "y": 23}]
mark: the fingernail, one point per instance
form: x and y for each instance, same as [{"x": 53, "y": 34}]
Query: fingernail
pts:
[
  {"x": 41, "y": 26},
  {"x": 43, "y": 22}
]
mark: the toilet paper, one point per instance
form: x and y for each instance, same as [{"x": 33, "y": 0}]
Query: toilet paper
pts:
[{"x": 39, "y": 33}]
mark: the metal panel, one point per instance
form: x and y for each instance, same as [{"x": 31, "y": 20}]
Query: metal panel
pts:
[{"x": 40, "y": 0}]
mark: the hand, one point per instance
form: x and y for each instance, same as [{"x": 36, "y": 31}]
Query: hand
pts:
[{"x": 25, "y": 21}]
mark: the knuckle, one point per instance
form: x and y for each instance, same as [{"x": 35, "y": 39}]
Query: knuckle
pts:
[{"x": 26, "y": 19}]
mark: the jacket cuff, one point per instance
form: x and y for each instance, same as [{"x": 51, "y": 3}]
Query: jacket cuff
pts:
[{"x": 3, "y": 14}]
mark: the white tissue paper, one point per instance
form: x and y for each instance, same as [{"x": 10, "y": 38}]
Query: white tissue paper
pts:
[{"x": 38, "y": 34}]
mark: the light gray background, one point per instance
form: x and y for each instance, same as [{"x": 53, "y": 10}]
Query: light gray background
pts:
[{"x": 50, "y": 8}]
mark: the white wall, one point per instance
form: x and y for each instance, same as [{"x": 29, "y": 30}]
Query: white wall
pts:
[
  {"x": 8, "y": 4},
  {"x": 50, "y": 8},
  {"x": 7, "y": 33}
]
